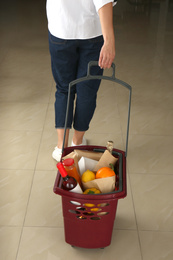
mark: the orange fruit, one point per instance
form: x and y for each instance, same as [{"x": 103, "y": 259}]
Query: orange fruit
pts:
[{"x": 104, "y": 172}]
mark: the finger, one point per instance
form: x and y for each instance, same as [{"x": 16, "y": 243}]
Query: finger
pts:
[
  {"x": 100, "y": 60},
  {"x": 104, "y": 60},
  {"x": 107, "y": 63}
]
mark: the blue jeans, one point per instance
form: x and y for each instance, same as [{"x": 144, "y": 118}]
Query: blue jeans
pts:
[{"x": 69, "y": 61}]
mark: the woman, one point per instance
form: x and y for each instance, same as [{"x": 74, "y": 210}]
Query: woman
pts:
[{"x": 79, "y": 31}]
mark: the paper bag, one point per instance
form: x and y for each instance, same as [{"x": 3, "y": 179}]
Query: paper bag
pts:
[
  {"x": 106, "y": 159},
  {"x": 88, "y": 154},
  {"x": 105, "y": 185}
]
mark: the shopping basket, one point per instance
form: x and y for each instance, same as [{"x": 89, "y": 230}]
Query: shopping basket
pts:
[{"x": 89, "y": 219}]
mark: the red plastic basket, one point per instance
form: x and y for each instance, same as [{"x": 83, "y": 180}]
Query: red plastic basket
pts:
[{"x": 89, "y": 219}]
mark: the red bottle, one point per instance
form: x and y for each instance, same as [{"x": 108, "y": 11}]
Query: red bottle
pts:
[{"x": 69, "y": 183}]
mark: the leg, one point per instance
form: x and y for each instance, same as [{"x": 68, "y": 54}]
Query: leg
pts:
[
  {"x": 60, "y": 133},
  {"x": 64, "y": 59},
  {"x": 78, "y": 137},
  {"x": 87, "y": 90}
]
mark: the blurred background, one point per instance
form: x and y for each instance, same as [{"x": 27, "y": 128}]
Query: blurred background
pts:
[{"x": 31, "y": 221}]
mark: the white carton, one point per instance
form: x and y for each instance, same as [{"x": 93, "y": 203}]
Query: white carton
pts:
[{"x": 86, "y": 164}]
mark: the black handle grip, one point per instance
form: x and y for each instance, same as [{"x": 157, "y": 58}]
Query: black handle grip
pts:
[{"x": 95, "y": 63}]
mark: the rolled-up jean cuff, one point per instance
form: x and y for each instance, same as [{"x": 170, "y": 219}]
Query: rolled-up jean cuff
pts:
[{"x": 81, "y": 130}]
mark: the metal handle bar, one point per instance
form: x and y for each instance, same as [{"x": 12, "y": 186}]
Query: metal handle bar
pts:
[{"x": 89, "y": 77}]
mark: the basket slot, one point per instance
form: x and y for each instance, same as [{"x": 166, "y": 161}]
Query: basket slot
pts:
[
  {"x": 75, "y": 202},
  {"x": 81, "y": 217},
  {"x": 95, "y": 218},
  {"x": 91, "y": 211}
]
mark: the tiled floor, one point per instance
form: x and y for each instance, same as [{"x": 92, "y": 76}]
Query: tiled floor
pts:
[{"x": 30, "y": 213}]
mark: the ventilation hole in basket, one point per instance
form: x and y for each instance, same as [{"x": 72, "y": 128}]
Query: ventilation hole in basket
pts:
[
  {"x": 89, "y": 205},
  {"x": 88, "y": 214},
  {"x": 103, "y": 205},
  {"x": 95, "y": 218},
  {"x": 82, "y": 209},
  {"x": 95, "y": 209},
  {"x": 75, "y": 203},
  {"x": 102, "y": 213},
  {"x": 74, "y": 211},
  {"x": 81, "y": 217}
]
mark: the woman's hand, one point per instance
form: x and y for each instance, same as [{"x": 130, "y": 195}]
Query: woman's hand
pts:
[{"x": 107, "y": 53}]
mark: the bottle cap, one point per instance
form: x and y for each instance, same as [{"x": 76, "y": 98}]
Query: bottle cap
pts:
[
  {"x": 61, "y": 169},
  {"x": 68, "y": 162}
]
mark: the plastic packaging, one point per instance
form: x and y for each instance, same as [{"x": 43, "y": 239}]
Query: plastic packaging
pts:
[{"x": 71, "y": 169}]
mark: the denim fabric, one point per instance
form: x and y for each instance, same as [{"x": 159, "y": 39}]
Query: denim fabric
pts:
[{"x": 69, "y": 61}]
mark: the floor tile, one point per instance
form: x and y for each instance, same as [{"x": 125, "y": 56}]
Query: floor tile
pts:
[
  {"x": 45, "y": 160},
  {"x": 22, "y": 116},
  {"x": 125, "y": 214},
  {"x": 156, "y": 245},
  {"x": 24, "y": 90},
  {"x": 24, "y": 62},
  {"x": 150, "y": 154},
  {"x": 9, "y": 237},
  {"x": 105, "y": 124},
  {"x": 15, "y": 191},
  {"x": 19, "y": 148},
  {"x": 49, "y": 244},
  {"x": 44, "y": 208},
  {"x": 50, "y": 118},
  {"x": 106, "y": 117},
  {"x": 152, "y": 196},
  {"x": 150, "y": 120},
  {"x": 52, "y": 95},
  {"x": 150, "y": 116}
]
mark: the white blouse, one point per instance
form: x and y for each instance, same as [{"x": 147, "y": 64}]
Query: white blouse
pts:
[{"x": 74, "y": 19}]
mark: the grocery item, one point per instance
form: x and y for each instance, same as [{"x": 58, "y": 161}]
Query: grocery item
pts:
[
  {"x": 105, "y": 160},
  {"x": 92, "y": 191},
  {"x": 69, "y": 183},
  {"x": 88, "y": 154},
  {"x": 71, "y": 169},
  {"x": 88, "y": 176},
  {"x": 105, "y": 172},
  {"x": 86, "y": 163},
  {"x": 74, "y": 156}
]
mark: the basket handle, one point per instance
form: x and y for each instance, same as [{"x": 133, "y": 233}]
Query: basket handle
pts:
[
  {"x": 89, "y": 77},
  {"x": 95, "y": 63}
]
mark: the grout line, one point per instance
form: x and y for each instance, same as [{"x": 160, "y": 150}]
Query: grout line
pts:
[{"x": 137, "y": 228}]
